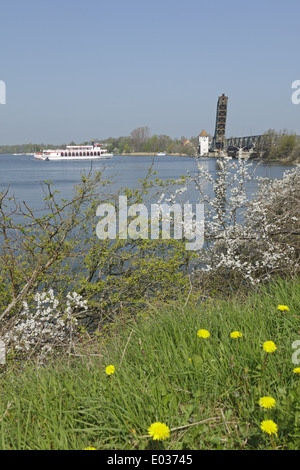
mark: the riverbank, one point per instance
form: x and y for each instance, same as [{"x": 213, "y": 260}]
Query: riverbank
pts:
[
  {"x": 151, "y": 154},
  {"x": 180, "y": 365},
  {"x": 283, "y": 161},
  {"x": 142, "y": 338}
]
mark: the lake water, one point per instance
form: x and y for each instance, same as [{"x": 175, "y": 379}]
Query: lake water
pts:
[{"x": 24, "y": 175}]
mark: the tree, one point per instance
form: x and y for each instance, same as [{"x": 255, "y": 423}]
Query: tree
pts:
[
  {"x": 60, "y": 250},
  {"x": 277, "y": 145},
  {"x": 286, "y": 145},
  {"x": 139, "y": 137}
]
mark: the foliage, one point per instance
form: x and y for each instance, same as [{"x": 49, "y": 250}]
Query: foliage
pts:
[
  {"x": 41, "y": 329},
  {"x": 207, "y": 391},
  {"x": 146, "y": 311},
  {"x": 60, "y": 250},
  {"x": 27, "y": 148},
  {"x": 140, "y": 140},
  {"x": 248, "y": 239},
  {"x": 282, "y": 145}
]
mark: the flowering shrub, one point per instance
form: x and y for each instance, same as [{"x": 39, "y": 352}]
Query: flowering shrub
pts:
[
  {"x": 57, "y": 246},
  {"x": 42, "y": 329},
  {"x": 249, "y": 239}
]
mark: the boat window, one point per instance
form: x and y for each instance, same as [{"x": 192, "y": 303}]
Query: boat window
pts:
[
  {"x": 69, "y": 154},
  {"x": 80, "y": 154},
  {"x": 76, "y": 154},
  {"x": 62, "y": 154},
  {"x": 73, "y": 154},
  {"x": 87, "y": 153},
  {"x": 98, "y": 153},
  {"x": 84, "y": 154}
]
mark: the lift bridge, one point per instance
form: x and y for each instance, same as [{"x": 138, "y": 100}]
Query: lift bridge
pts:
[{"x": 219, "y": 141}]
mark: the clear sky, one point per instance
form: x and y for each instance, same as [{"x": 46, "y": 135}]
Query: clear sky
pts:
[{"x": 84, "y": 69}]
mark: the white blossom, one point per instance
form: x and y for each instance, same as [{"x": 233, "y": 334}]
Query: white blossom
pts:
[
  {"x": 246, "y": 235},
  {"x": 41, "y": 328}
]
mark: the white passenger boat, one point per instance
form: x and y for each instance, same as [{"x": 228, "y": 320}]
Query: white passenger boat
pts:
[
  {"x": 162, "y": 154},
  {"x": 75, "y": 152}
]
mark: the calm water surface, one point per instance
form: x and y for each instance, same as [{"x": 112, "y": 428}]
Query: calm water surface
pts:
[{"x": 24, "y": 175}]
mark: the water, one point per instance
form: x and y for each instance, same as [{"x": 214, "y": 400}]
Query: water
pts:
[{"x": 24, "y": 175}]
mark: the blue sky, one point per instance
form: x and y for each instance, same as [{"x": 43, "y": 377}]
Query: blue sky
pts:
[{"x": 77, "y": 70}]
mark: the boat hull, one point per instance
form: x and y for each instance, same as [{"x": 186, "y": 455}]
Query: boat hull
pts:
[{"x": 104, "y": 156}]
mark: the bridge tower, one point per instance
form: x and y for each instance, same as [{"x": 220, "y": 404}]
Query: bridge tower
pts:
[{"x": 219, "y": 137}]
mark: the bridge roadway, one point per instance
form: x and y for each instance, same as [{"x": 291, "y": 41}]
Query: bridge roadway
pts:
[{"x": 245, "y": 142}]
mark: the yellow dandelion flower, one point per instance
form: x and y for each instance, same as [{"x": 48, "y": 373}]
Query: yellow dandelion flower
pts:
[
  {"x": 190, "y": 360},
  {"x": 267, "y": 402},
  {"x": 297, "y": 370},
  {"x": 269, "y": 427},
  {"x": 283, "y": 308},
  {"x": 110, "y": 370},
  {"x": 269, "y": 346},
  {"x": 203, "y": 334},
  {"x": 236, "y": 334},
  {"x": 90, "y": 448},
  {"x": 159, "y": 431}
]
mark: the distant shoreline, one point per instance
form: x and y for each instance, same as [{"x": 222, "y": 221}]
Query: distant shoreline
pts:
[
  {"x": 143, "y": 154},
  {"x": 285, "y": 161},
  {"x": 151, "y": 154}
]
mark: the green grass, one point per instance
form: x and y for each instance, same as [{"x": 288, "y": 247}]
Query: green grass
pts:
[{"x": 205, "y": 390}]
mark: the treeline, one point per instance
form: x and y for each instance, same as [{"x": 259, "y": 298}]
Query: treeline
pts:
[
  {"x": 22, "y": 148},
  {"x": 282, "y": 145},
  {"x": 29, "y": 148},
  {"x": 139, "y": 140}
]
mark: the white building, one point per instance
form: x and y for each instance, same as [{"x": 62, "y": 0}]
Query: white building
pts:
[{"x": 203, "y": 143}]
